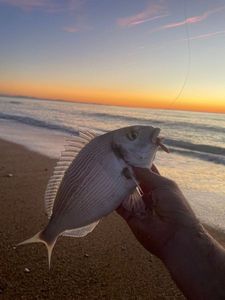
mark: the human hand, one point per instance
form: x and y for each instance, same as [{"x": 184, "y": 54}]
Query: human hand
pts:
[
  {"x": 167, "y": 212},
  {"x": 171, "y": 231}
]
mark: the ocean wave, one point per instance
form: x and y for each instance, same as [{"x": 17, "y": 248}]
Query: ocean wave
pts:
[
  {"x": 205, "y": 152},
  {"x": 127, "y": 119},
  {"x": 15, "y": 102},
  {"x": 152, "y": 121},
  {"x": 38, "y": 123},
  {"x": 217, "y": 159},
  {"x": 196, "y": 147}
]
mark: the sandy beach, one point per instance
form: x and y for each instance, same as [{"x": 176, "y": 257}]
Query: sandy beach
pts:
[{"x": 107, "y": 264}]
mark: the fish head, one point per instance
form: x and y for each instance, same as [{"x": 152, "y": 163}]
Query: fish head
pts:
[{"x": 136, "y": 145}]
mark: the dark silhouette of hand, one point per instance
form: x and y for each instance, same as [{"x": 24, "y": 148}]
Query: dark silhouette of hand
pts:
[
  {"x": 170, "y": 230},
  {"x": 167, "y": 212}
]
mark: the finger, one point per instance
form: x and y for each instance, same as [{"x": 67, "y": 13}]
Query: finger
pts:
[
  {"x": 149, "y": 179},
  {"x": 134, "y": 223},
  {"x": 125, "y": 214},
  {"x": 155, "y": 169},
  {"x": 148, "y": 200},
  {"x": 146, "y": 189}
]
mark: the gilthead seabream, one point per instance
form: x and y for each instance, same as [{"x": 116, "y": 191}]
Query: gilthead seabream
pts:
[{"x": 93, "y": 177}]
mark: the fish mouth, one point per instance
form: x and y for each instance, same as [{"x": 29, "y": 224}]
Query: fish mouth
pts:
[
  {"x": 157, "y": 140},
  {"x": 155, "y": 135}
]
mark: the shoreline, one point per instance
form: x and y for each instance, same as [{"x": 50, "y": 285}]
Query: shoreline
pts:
[{"x": 107, "y": 264}]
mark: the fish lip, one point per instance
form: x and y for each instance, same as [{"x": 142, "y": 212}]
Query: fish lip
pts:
[
  {"x": 158, "y": 140},
  {"x": 155, "y": 135},
  {"x": 159, "y": 143}
]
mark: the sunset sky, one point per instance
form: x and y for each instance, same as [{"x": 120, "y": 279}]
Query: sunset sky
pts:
[{"x": 151, "y": 53}]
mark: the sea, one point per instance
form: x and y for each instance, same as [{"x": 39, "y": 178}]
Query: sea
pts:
[{"x": 196, "y": 141}]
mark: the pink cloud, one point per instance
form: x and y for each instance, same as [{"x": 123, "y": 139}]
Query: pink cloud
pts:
[
  {"x": 45, "y": 5},
  {"x": 206, "y": 35},
  {"x": 192, "y": 20},
  {"x": 52, "y": 6},
  {"x": 153, "y": 11},
  {"x": 30, "y": 4},
  {"x": 71, "y": 29}
]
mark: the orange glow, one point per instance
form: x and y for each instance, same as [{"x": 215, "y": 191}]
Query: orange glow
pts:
[{"x": 111, "y": 96}]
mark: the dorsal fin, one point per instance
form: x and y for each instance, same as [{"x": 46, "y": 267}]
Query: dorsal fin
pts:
[{"x": 72, "y": 147}]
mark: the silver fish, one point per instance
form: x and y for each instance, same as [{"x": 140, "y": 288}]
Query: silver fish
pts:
[{"x": 92, "y": 179}]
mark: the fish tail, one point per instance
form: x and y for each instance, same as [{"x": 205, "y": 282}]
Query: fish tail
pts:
[{"x": 40, "y": 238}]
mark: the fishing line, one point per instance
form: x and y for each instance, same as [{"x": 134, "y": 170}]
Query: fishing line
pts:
[
  {"x": 188, "y": 64},
  {"x": 188, "y": 57},
  {"x": 187, "y": 73},
  {"x": 188, "y": 68}
]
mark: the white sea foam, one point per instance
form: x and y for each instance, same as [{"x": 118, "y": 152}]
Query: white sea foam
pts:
[{"x": 44, "y": 141}]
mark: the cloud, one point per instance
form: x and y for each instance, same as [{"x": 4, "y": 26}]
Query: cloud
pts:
[
  {"x": 191, "y": 20},
  {"x": 71, "y": 29},
  {"x": 54, "y": 6},
  {"x": 50, "y": 6},
  {"x": 205, "y": 36},
  {"x": 153, "y": 11}
]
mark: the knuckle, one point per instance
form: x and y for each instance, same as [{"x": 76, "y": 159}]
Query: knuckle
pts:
[{"x": 171, "y": 183}]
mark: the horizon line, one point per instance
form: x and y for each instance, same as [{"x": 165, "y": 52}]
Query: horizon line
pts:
[{"x": 107, "y": 104}]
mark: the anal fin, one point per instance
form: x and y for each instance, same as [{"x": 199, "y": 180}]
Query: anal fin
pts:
[{"x": 82, "y": 231}]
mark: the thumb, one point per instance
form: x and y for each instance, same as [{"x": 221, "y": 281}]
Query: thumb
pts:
[
  {"x": 133, "y": 221},
  {"x": 149, "y": 178},
  {"x": 125, "y": 214}
]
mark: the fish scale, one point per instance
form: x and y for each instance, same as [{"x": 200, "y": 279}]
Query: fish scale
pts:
[
  {"x": 74, "y": 178},
  {"x": 87, "y": 177}
]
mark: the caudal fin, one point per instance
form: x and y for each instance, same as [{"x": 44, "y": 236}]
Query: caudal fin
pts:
[{"x": 37, "y": 238}]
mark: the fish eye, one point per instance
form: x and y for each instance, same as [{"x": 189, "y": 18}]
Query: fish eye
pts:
[{"x": 132, "y": 135}]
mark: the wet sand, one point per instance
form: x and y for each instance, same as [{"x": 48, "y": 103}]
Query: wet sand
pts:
[{"x": 107, "y": 264}]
